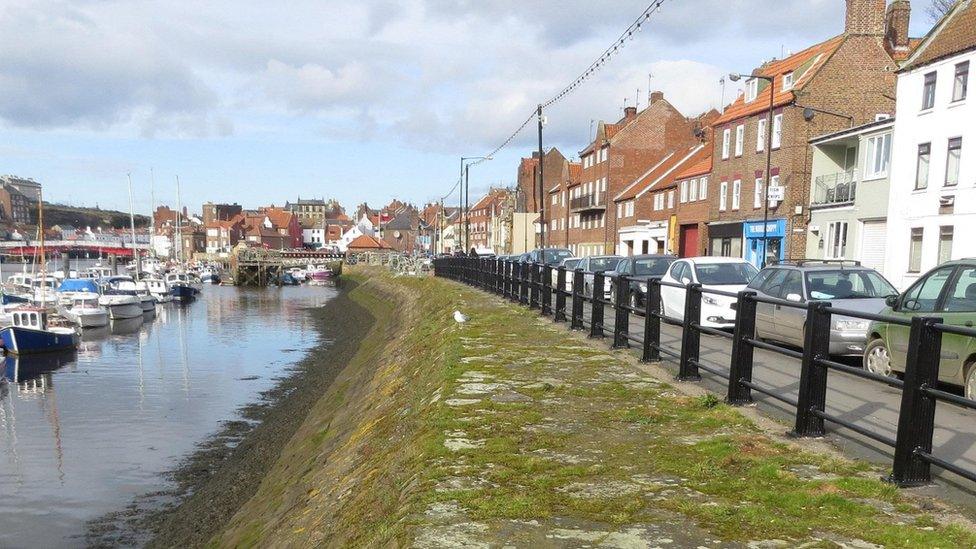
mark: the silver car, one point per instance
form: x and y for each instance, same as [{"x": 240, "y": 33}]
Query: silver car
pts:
[
  {"x": 591, "y": 265},
  {"x": 846, "y": 285}
]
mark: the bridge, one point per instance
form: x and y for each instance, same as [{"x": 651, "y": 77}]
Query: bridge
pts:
[{"x": 261, "y": 266}]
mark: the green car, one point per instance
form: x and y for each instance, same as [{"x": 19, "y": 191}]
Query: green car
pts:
[{"x": 948, "y": 292}]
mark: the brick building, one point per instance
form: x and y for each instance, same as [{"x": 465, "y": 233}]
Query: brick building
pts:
[
  {"x": 219, "y": 212},
  {"x": 487, "y": 226},
  {"x": 692, "y": 208},
  {"x": 558, "y": 205},
  {"x": 223, "y": 235},
  {"x": 530, "y": 196},
  {"x": 620, "y": 154},
  {"x": 844, "y": 81},
  {"x": 16, "y": 206}
]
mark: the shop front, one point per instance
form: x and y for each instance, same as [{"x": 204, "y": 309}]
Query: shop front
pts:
[
  {"x": 725, "y": 239},
  {"x": 775, "y": 235}
]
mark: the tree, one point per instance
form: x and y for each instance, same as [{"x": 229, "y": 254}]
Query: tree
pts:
[{"x": 938, "y": 8}]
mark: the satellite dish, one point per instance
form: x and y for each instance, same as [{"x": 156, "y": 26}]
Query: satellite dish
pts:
[
  {"x": 808, "y": 114},
  {"x": 396, "y": 234}
]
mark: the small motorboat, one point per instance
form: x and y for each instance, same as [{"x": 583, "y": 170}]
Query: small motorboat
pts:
[
  {"x": 30, "y": 334},
  {"x": 158, "y": 289},
  {"x": 287, "y": 279},
  {"x": 122, "y": 284},
  {"x": 209, "y": 276},
  {"x": 9, "y": 304},
  {"x": 44, "y": 292},
  {"x": 84, "y": 310},
  {"x": 319, "y": 273},
  {"x": 180, "y": 287}
]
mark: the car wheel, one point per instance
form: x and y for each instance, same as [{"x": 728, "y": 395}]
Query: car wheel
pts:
[
  {"x": 877, "y": 359},
  {"x": 971, "y": 382}
]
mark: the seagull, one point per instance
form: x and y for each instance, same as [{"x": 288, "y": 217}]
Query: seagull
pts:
[{"x": 459, "y": 317}]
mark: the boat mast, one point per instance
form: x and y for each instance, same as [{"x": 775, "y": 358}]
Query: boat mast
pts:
[
  {"x": 152, "y": 207},
  {"x": 40, "y": 230},
  {"x": 132, "y": 225},
  {"x": 179, "y": 222}
]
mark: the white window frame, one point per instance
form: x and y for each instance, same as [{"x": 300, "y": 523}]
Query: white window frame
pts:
[
  {"x": 671, "y": 199},
  {"x": 703, "y": 188},
  {"x": 736, "y": 193},
  {"x": 788, "y": 81},
  {"x": 723, "y": 196},
  {"x": 872, "y": 169},
  {"x": 777, "y": 131},
  {"x": 684, "y": 192},
  {"x": 752, "y": 89},
  {"x": 692, "y": 190},
  {"x": 761, "y": 134},
  {"x": 740, "y": 137},
  {"x": 726, "y": 142},
  {"x": 757, "y": 199},
  {"x": 837, "y": 234}
]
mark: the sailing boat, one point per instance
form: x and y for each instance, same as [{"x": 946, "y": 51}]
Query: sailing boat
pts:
[
  {"x": 179, "y": 282},
  {"x": 29, "y": 332}
]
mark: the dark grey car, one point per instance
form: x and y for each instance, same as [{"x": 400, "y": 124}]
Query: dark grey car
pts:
[{"x": 846, "y": 285}]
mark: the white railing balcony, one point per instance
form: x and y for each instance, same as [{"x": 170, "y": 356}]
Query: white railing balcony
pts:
[{"x": 835, "y": 188}]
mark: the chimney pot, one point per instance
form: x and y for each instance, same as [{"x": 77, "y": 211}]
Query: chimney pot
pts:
[
  {"x": 897, "y": 19},
  {"x": 656, "y": 96},
  {"x": 630, "y": 112},
  {"x": 865, "y": 17}
]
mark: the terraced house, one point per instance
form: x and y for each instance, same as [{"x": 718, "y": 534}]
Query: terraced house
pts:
[
  {"x": 845, "y": 81},
  {"x": 559, "y": 204},
  {"x": 619, "y": 154}
]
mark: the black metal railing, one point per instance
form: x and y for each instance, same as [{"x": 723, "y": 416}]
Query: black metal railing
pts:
[
  {"x": 560, "y": 294},
  {"x": 587, "y": 202}
]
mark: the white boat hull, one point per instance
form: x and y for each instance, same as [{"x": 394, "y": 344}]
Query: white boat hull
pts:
[{"x": 87, "y": 319}]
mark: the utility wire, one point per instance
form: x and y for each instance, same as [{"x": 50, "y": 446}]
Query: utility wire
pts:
[{"x": 595, "y": 66}]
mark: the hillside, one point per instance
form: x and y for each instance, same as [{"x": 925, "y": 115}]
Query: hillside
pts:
[{"x": 59, "y": 214}]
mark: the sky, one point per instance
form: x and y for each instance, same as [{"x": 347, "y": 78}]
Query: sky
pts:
[{"x": 263, "y": 102}]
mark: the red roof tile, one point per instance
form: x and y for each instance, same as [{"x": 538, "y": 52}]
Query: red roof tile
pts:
[
  {"x": 810, "y": 60},
  {"x": 698, "y": 165},
  {"x": 366, "y": 242},
  {"x": 951, "y": 35},
  {"x": 663, "y": 171}
]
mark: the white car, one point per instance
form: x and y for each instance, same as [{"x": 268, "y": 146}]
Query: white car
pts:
[
  {"x": 570, "y": 264},
  {"x": 726, "y": 274}
]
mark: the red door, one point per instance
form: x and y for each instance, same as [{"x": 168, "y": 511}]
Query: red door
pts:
[{"x": 689, "y": 241}]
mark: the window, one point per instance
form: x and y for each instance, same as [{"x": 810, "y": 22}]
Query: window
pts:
[
  {"x": 928, "y": 91},
  {"x": 960, "y": 297},
  {"x": 723, "y": 190},
  {"x": 761, "y": 135},
  {"x": 923, "y": 296},
  {"x": 726, "y": 136},
  {"x": 945, "y": 244},
  {"x": 684, "y": 192},
  {"x": 740, "y": 135},
  {"x": 752, "y": 89},
  {"x": 603, "y": 184},
  {"x": 620, "y": 209},
  {"x": 736, "y": 188},
  {"x": 630, "y": 208},
  {"x": 555, "y": 199},
  {"x": 960, "y": 82},
  {"x": 703, "y": 188},
  {"x": 692, "y": 190},
  {"x": 878, "y": 156},
  {"x": 952, "y": 161},
  {"x": 757, "y": 200},
  {"x": 788, "y": 81},
  {"x": 670, "y": 199},
  {"x": 922, "y": 168},
  {"x": 836, "y": 240},
  {"x": 777, "y": 131},
  {"x": 915, "y": 251}
]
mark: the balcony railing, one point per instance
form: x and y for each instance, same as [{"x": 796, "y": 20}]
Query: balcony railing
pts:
[
  {"x": 587, "y": 202},
  {"x": 835, "y": 188}
]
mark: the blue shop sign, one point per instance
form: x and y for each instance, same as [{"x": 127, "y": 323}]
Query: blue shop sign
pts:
[{"x": 774, "y": 228}]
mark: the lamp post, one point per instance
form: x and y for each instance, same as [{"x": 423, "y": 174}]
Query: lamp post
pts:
[
  {"x": 735, "y": 77},
  {"x": 465, "y": 165}
]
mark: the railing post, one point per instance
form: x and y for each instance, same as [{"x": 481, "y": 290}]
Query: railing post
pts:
[
  {"x": 596, "y": 305},
  {"x": 690, "y": 336},
  {"x": 621, "y": 319},
  {"x": 546, "y": 289},
  {"x": 533, "y": 286},
  {"x": 652, "y": 322},
  {"x": 916, "y": 418},
  {"x": 560, "y": 313},
  {"x": 740, "y": 368},
  {"x": 576, "y": 318},
  {"x": 812, "y": 396},
  {"x": 524, "y": 283},
  {"x": 509, "y": 277}
]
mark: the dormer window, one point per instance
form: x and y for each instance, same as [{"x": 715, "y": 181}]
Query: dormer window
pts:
[
  {"x": 788, "y": 81},
  {"x": 752, "y": 90}
]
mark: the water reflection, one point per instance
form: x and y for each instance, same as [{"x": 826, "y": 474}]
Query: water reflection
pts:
[{"x": 84, "y": 433}]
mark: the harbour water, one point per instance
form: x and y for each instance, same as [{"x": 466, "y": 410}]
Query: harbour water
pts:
[{"x": 84, "y": 434}]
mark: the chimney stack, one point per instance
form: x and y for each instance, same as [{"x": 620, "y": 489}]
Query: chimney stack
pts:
[
  {"x": 656, "y": 96},
  {"x": 630, "y": 113},
  {"x": 865, "y": 17},
  {"x": 896, "y": 26}
]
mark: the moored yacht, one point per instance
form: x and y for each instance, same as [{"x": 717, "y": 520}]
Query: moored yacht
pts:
[
  {"x": 121, "y": 303},
  {"x": 29, "y": 333},
  {"x": 84, "y": 311},
  {"x": 181, "y": 287}
]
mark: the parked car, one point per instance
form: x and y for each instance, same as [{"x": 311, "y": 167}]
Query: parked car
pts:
[
  {"x": 640, "y": 269},
  {"x": 948, "y": 292},
  {"x": 569, "y": 263},
  {"x": 549, "y": 256},
  {"x": 727, "y": 274},
  {"x": 846, "y": 285},
  {"x": 594, "y": 263}
]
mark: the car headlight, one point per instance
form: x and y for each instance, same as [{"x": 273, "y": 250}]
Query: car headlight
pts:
[
  {"x": 709, "y": 300},
  {"x": 851, "y": 324}
]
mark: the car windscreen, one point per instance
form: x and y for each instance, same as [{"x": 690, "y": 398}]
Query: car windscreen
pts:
[
  {"x": 652, "y": 267},
  {"x": 719, "y": 274},
  {"x": 555, "y": 257},
  {"x": 604, "y": 263},
  {"x": 571, "y": 263},
  {"x": 841, "y": 284}
]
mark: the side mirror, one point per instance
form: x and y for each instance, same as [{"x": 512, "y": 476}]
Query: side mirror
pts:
[
  {"x": 891, "y": 301},
  {"x": 795, "y": 298}
]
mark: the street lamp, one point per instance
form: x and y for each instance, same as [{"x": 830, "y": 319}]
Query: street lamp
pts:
[
  {"x": 735, "y": 77},
  {"x": 464, "y": 171}
]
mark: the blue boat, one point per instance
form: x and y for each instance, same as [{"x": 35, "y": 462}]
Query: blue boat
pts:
[
  {"x": 30, "y": 334},
  {"x": 180, "y": 287}
]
